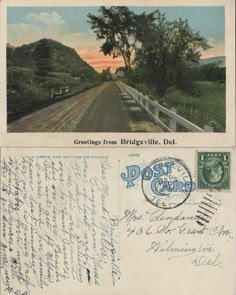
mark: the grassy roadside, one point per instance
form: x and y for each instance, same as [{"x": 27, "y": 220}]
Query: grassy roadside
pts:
[
  {"x": 208, "y": 108},
  {"x": 205, "y": 109},
  {"x": 28, "y": 92}
]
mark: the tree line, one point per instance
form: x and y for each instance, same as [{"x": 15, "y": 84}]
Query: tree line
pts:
[{"x": 156, "y": 51}]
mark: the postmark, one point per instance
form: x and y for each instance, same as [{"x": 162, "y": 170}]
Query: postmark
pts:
[
  {"x": 167, "y": 183},
  {"x": 213, "y": 170}
]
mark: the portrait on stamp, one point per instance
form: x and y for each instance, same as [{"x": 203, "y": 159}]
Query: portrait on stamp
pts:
[{"x": 213, "y": 170}]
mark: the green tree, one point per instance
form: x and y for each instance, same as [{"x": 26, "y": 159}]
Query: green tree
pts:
[
  {"x": 212, "y": 72},
  {"x": 167, "y": 51},
  {"x": 10, "y": 55},
  {"x": 106, "y": 74},
  {"x": 117, "y": 26},
  {"x": 42, "y": 57}
]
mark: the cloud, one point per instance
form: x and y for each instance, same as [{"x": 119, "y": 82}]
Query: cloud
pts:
[
  {"x": 48, "y": 25},
  {"x": 211, "y": 41},
  {"x": 23, "y": 33},
  {"x": 45, "y": 18},
  {"x": 53, "y": 26},
  {"x": 217, "y": 50},
  {"x": 38, "y": 26}
]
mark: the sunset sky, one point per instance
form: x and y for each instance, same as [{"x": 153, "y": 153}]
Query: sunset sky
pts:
[{"x": 69, "y": 26}]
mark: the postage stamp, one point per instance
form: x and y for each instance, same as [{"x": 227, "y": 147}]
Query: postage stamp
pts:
[{"x": 213, "y": 170}]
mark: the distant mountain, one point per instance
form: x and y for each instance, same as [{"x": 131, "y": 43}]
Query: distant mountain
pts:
[
  {"x": 63, "y": 58},
  {"x": 219, "y": 60}
]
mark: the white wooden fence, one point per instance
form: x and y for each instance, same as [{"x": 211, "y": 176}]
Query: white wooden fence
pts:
[{"x": 153, "y": 110}]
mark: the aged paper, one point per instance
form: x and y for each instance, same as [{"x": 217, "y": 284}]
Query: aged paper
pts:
[
  {"x": 93, "y": 221},
  {"x": 77, "y": 121},
  {"x": 106, "y": 186}
]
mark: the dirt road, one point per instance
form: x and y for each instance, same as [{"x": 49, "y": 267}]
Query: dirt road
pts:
[
  {"x": 96, "y": 110},
  {"x": 106, "y": 113}
]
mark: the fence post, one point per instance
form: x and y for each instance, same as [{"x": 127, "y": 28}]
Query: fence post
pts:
[
  {"x": 143, "y": 101},
  {"x": 147, "y": 102},
  {"x": 172, "y": 121},
  {"x": 208, "y": 128},
  {"x": 156, "y": 112},
  {"x": 52, "y": 93}
]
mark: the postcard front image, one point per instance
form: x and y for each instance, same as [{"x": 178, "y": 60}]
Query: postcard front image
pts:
[{"x": 153, "y": 72}]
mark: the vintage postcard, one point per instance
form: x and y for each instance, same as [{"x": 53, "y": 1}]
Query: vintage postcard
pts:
[
  {"x": 95, "y": 221},
  {"x": 117, "y": 136},
  {"x": 131, "y": 73}
]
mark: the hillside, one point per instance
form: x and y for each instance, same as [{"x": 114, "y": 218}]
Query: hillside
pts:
[
  {"x": 62, "y": 58},
  {"x": 33, "y": 71},
  {"x": 219, "y": 60}
]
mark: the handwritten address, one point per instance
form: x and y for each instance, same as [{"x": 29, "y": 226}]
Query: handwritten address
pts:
[{"x": 176, "y": 236}]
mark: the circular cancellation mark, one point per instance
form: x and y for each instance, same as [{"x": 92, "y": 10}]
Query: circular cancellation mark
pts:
[{"x": 167, "y": 183}]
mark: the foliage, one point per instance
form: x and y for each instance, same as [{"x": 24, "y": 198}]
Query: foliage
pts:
[
  {"x": 168, "y": 50},
  {"x": 62, "y": 59},
  {"x": 205, "y": 109},
  {"x": 212, "y": 72},
  {"x": 120, "y": 69},
  {"x": 42, "y": 57},
  {"x": 116, "y": 25},
  {"x": 106, "y": 74},
  {"x": 27, "y": 91},
  {"x": 206, "y": 72},
  {"x": 162, "y": 52},
  {"x": 10, "y": 52}
]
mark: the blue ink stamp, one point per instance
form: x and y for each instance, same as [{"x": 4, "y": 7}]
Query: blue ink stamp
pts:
[{"x": 166, "y": 182}]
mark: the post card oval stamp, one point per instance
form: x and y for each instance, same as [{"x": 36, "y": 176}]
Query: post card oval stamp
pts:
[
  {"x": 213, "y": 170},
  {"x": 167, "y": 183}
]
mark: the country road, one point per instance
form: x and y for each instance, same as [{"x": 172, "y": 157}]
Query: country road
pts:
[
  {"x": 106, "y": 113},
  {"x": 96, "y": 110},
  {"x": 99, "y": 109}
]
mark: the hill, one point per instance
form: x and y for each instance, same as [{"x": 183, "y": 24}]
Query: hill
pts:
[
  {"x": 34, "y": 71},
  {"x": 62, "y": 58},
  {"x": 219, "y": 60}
]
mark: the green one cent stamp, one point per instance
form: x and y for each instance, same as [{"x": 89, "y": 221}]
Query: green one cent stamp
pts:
[{"x": 213, "y": 170}]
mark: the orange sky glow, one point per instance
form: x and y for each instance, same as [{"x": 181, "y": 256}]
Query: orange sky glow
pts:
[
  {"x": 69, "y": 25},
  {"x": 98, "y": 60},
  {"x": 217, "y": 50}
]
